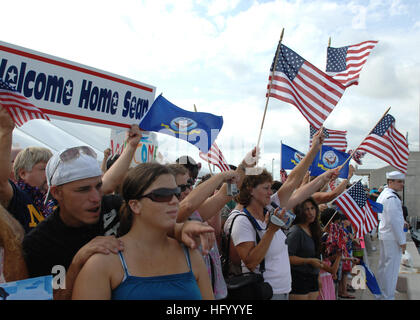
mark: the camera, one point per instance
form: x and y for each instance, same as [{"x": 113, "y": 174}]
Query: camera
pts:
[{"x": 285, "y": 222}]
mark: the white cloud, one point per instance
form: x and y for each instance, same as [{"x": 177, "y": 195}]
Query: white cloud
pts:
[{"x": 217, "y": 55}]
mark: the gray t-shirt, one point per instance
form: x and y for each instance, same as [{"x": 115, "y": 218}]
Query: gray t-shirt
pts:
[{"x": 300, "y": 244}]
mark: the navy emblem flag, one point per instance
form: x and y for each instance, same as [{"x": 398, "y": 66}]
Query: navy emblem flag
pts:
[
  {"x": 290, "y": 157},
  {"x": 353, "y": 203},
  {"x": 388, "y": 144},
  {"x": 333, "y": 138},
  {"x": 330, "y": 158},
  {"x": 198, "y": 128},
  {"x": 19, "y": 108},
  {"x": 345, "y": 64},
  {"x": 298, "y": 82}
]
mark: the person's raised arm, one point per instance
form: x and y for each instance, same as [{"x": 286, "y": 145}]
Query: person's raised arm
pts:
[
  {"x": 196, "y": 197},
  {"x": 107, "y": 152},
  {"x": 296, "y": 175},
  {"x": 6, "y": 134},
  {"x": 325, "y": 197},
  {"x": 115, "y": 175},
  {"x": 308, "y": 190},
  {"x": 209, "y": 206}
]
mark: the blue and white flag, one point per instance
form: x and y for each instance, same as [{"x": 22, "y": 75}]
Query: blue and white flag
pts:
[
  {"x": 331, "y": 158},
  {"x": 198, "y": 128},
  {"x": 371, "y": 282},
  {"x": 290, "y": 157}
]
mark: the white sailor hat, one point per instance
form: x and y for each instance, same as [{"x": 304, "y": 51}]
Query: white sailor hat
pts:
[{"x": 395, "y": 175}]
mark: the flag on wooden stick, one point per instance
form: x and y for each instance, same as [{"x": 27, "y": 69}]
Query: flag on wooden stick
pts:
[{"x": 298, "y": 82}]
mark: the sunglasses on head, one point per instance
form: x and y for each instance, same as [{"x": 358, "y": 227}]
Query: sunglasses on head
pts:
[
  {"x": 73, "y": 153},
  {"x": 162, "y": 194}
]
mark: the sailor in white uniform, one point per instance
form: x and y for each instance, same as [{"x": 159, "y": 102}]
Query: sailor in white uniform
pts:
[{"x": 392, "y": 239}]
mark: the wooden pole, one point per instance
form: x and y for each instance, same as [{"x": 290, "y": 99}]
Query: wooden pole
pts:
[
  {"x": 363, "y": 139},
  {"x": 269, "y": 87},
  {"x": 325, "y": 227}
]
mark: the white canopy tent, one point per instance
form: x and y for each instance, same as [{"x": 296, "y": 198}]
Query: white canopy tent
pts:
[{"x": 57, "y": 135}]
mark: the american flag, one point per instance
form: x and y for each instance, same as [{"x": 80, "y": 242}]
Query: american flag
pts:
[
  {"x": 357, "y": 155},
  {"x": 353, "y": 203},
  {"x": 19, "y": 108},
  {"x": 215, "y": 156},
  {"x": 345, "y": 64},
  {"x": 333, "y": 138},
  {"x": 298, "y": 82},
  {"x": 386, "y": 143}
]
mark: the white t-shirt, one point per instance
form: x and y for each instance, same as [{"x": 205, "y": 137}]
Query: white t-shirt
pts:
[{"x": 277, "y": 265}]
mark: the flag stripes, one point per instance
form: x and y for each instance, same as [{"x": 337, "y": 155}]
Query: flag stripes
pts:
[
  {"x": 298, "y": 82},
  {"x": 19, "y": 107},
  {"x": 347, "y": 71},
  {"x": 215, "y": 156}
]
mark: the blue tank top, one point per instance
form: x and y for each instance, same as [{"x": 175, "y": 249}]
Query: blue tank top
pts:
[{"x": 180, "y": 286}]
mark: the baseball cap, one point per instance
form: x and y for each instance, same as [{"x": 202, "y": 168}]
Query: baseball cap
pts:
[{"x": 72, "y": 164}]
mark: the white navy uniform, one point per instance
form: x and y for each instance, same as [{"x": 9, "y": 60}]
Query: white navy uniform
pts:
[{"x": 391, "y": 236}]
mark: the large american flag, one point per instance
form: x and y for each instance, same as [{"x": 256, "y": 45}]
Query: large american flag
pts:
[
  {"x": 345, "y": 64},
  {"x": 333, "y": 138},
  {"x": 386, "y": 143},
  {"x": 353, "y": 203},
  {"x": 19, "y": 107},
  {"x": 215, "y": 156},
  {"x": 298, "y": 82}
]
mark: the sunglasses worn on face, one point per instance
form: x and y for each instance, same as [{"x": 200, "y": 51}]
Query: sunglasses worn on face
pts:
[
  {"x": 162, "y": 194},
  {"x": 184, "y": 187}
]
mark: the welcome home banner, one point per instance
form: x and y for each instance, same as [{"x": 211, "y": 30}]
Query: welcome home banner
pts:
[{"x": 70, "y": 91}]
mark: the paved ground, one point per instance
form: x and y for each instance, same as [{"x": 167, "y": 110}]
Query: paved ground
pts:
[{"x": 373, "y": 258}]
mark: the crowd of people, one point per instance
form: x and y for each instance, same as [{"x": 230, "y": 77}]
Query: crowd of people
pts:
[{"x": 159, "y": 232}]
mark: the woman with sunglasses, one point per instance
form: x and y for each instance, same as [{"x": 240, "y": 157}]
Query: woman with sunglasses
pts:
[{"x": 153, "y": 266}]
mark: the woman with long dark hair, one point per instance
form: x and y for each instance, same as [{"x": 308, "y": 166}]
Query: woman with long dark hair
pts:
[{"x": 304, "y": 244}]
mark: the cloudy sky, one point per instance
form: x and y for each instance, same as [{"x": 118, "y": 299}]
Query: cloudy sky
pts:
[{"x": 217, "y": 54}]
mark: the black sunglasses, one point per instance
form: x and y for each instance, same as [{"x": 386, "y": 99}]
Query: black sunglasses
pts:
[
  {"x": 183, "y": 187},
  {"x": 162, "y": 194}
]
